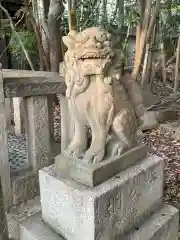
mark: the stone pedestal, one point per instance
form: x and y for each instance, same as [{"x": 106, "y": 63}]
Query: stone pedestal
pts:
[
  {"x": 113, "y": 207},
  {"x": 127, "y": 206}
]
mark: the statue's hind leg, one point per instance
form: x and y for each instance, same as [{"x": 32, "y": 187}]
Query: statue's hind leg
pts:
[{"x": 124, "y": 127}]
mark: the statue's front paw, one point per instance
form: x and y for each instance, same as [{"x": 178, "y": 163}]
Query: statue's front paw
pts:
[
  {"x": 118, "y": 149},
  {"x": 70, "y": 152},
  {"x": 93, "y": 156}
]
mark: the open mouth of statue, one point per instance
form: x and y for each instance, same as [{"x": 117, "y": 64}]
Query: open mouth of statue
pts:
[
  {"x": 83, "y": 58},
  {"x": 93, "y": 56}
]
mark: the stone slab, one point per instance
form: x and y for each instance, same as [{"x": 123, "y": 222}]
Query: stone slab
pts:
[
  {"x": 163, "y": 225},
  {"x": 33, "y": 228},
  {"x": 22, "y": 83},
  {"x": 3, "y": 222},
  {"x": 37, "y": 131},
  {"x": 25, "y": 187},
  {"x": 19, "y": 213},
  {"x": 4, "y": 158},
  {"x": 74, "y": 210},
  {"x": 93, "y": 174}
]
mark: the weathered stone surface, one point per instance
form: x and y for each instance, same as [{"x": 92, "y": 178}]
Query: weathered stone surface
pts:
[
  {"x": 9, "y": 113},
  {"x": 66, "y": 123},
  {"x": 28, "y": 83},
  {"x": 4, "y": 159},
  {"x": 16, "y": 73},
  {"x": 99, "y": 99},
  {"x": 163, "y": 225},
  {"x": 167, "y": 116},
  {"x": 20, "y": 213},
  {"x": 149, "y": 121},
  {"x": 74, "y": 210},
  {"x": 94, "y": 174},
  {"x": 25, "y": 187},
  {"x": 19, "y": 116},
  {"x": 37, "y": 130},
  {"x": 33, "y": 228},
  {"x": 3, "y": 222}
]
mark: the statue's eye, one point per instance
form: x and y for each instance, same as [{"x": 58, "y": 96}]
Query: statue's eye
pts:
[{"x": 82, "y": 38}]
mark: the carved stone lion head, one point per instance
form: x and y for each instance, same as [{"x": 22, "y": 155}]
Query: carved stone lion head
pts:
[{"x": 91, "y": 49}]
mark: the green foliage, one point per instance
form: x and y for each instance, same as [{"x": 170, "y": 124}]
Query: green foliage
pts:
[{"x": 29, "y": 41}]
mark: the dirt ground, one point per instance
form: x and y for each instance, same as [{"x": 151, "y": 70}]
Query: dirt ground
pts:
[{"x": 163, "y": 146}]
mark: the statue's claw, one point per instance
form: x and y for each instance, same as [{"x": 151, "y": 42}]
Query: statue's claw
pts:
[
  {"x": 118, "y": 149},
  {"x": 77, "y": 153},
  {"x": 93, "y": 156}
]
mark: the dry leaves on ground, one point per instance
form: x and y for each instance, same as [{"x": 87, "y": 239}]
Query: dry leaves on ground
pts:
[{"x": 163, "y": 146}]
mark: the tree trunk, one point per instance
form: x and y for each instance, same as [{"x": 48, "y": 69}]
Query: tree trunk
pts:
[
  {"x": 103, "y": 13},
  {"x": 163, "y": 63},
  {"x": 72, "y": 15},
  {"x": 36, "y": 24},
  {"x": 56, "y": 9},
  {"x": 176, "y": 80},
  {"x": 144, "y": 30},
  {"x": 148, "y": 61},
  {"x": 43, "y": 6}
]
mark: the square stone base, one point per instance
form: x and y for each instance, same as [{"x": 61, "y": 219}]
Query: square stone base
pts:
[
  {"x": 115, "y": 206},
  {"x": 92, "y": 175},
  {"x": 162, "y": 225}
]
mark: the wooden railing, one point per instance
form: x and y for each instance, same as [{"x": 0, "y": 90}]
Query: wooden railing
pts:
[{"x": 36, "y": 89}]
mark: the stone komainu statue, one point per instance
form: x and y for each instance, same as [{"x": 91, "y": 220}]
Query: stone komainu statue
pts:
[{"x": 98, "y": 98}]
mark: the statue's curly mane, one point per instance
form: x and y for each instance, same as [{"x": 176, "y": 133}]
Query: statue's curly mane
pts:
[{"x": 89, "y": 53}]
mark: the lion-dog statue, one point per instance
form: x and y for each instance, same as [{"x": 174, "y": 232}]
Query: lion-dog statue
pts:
[{"x": 98, "y": 98}]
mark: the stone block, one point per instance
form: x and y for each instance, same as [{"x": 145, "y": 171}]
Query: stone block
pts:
[
  {"x": 3, "y": 222},
  {"x": 25, "y": 187},
  {"x": 94, "y": 174},
  {"x": 4, "y": 158},
  {"x": 167, "y": 116},
  {"x": 19, "y": 116},
  {"x": 163, "y": 225},
  {"x": 67, "y": 127},
  {"x": 20, "y": 213},
  {"x": 33, "y": 228},
  {"x": 74, "y": 210},
  {"x": 37, "y": 130},
  {"x": 24, "y": 83},
  {"x": 9, "y": 113}
]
